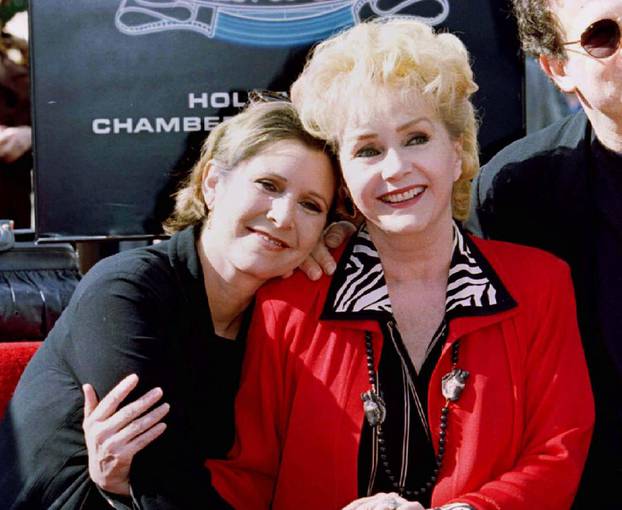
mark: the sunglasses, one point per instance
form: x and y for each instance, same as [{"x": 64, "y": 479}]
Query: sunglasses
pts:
[{"x": 601, "y": 39}]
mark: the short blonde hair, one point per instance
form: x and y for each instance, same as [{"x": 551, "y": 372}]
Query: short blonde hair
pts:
[
  {"x": 237, "y": 139},
  {"x": 407, "y": 56}
]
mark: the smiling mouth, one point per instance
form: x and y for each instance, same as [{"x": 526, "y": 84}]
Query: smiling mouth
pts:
[
  {"x": 402, "y": 196},
  {"x": 273, "y": 241}
]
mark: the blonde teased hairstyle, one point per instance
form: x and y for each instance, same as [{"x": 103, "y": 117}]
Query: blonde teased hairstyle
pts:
[
  {"x": 235, "y": 140},
  {"x": 410, "y": 58}
]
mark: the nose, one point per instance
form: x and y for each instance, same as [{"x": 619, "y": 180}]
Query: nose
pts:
[
  {"x": 394, "y": 166},
  {"x": 281, "y": 212}
]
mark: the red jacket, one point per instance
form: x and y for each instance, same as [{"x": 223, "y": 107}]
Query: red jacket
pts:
[{"x": 517, "y": 438}]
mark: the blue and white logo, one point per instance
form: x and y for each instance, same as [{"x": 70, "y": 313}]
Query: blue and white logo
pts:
[{"x": 270, "y": 23}]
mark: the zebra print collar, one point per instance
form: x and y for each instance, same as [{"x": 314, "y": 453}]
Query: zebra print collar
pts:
[{"x": 359, "y": 291}]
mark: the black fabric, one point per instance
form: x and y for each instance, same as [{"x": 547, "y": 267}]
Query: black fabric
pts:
[
  {"x": 558, "y": 191},
  {"x": 15, "y": 188},
  {"x": 421, "y": 455},
  {"x": 36, "y": 284},
  {"x": 143, "y": 311}
]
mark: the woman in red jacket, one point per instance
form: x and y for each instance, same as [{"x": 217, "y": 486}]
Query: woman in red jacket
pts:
[{"x": 433, "y": 369}]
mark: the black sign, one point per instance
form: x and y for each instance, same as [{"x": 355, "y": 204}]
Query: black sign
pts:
[{"x": 125, "y": 91}]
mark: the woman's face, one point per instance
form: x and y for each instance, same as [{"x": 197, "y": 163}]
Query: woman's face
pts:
[
  {"x": 399, "y": 164},
  {"x": 268, "y": 212}
]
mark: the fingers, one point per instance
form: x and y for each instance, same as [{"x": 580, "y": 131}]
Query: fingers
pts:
[
  {"x": 411, "y": 506},
  {"x": 320, "y": 261},
  {"x": 337, "y": 233},
  {"x": 90, "y": 400},
  {"x": 380, "y": 501},
  {"x": 115, "y": 455},
  {"x": 121, "y": 447},
  {"x": 361, "y": 503},
  {"x": 113, "y": 399},
  {"x": 113, "y": 442},
  {"x": 311, "y": 268},
  {"x": 356, "y": 504},
  {"x": 109, "y": 466},
  {"x": 138, "y": 426},
  {"x": 322, "y": 256},
  {"x": 146, "y": 438},
  {"x": 130, "y": 412}
]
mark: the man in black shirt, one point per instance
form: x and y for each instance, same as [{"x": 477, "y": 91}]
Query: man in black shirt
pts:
[{"x": 560, "y": 189}]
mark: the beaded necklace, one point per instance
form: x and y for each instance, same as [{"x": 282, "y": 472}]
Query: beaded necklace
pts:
[{"x": 375, "y": 410}]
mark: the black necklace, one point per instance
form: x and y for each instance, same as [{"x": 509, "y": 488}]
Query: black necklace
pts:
[{"x": 375, "y": 411}]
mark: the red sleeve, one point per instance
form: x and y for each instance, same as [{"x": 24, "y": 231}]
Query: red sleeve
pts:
[
  {"x": 247, "y": 479},
  {"x": 558, "y": 405}
]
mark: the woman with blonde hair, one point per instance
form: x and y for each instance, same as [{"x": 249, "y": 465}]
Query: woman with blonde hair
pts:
[
  {"x": 172, "y": 317},
  {"x": 433, "y": 369}
]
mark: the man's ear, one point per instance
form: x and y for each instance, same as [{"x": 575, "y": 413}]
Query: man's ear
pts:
[
  {"x": 212, "y": 173},
  {"x": 555, "y": 68}
]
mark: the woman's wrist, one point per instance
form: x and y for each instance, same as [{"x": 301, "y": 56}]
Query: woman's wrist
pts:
[
  {"x": 121, "y": 489},
  {"x": 119, "y": 501}
]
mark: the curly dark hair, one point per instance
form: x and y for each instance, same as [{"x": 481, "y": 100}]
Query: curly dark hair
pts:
[{"x": 539, "y": 29}]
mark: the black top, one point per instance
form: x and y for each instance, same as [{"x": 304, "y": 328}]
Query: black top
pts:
[
  {"x": 405, "y": 392},
  {"x": 558, "y": 189},
  {"x": 143, "y": 311}
]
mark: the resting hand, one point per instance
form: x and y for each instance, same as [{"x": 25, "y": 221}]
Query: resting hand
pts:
[
  {"x": 383, "y": 501},
  {"x": 114, "y": 437},
  {"x": 320, "y": 259},
  {"x": 14, "y": 142}
]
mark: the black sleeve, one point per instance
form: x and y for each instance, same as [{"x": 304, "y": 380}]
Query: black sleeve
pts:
[
  {"x": 472, "y": 223},
  {"x": 520, "y": 195},
  {"x": 125, "y": 322},
  {"x": 519, "y": 202}
]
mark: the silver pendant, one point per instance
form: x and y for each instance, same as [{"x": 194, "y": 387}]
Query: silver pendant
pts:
[
  {"x": 453, "y": 383},
  {"x": 374, "y": 407}
]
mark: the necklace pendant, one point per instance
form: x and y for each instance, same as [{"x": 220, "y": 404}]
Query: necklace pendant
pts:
[
  {"x": 453, "y": 383},
  {"x": 374, "y": 407}
]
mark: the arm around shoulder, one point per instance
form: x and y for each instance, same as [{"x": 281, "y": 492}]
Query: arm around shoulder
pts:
[{"x": 126, "y": 322}]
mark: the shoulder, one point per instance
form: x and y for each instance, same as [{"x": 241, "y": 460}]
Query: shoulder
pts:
[
  {"x": 296, "y": 294},
  {"x": 130, "y": 295},
  {"x": 299, "y": 289},
  {"x": 567, "y": 133},
  {"x": 143, "y": 270},
  {"x": 524, "y": 192},
  {"x": 538, "y": 157},
  {"x": 526, "y": 271}
]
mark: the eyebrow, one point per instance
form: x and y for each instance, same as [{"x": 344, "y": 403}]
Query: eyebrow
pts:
[
  {"x": 407, "y": 125},
  {"x": 310, "y": 193},
  {"x": 319, "y": 197}
]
